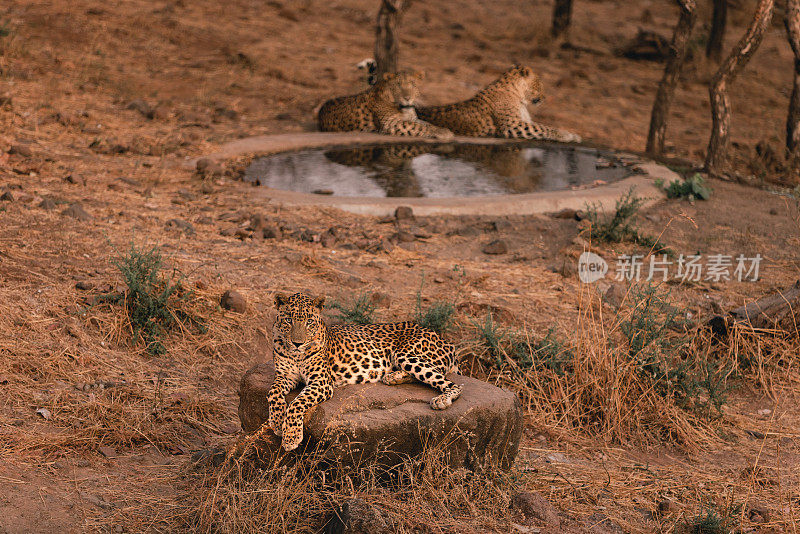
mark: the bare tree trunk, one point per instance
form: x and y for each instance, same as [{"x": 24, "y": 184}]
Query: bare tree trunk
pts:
[
  {"x": 718, "y": 90},
  {"x": 562, "y": 16},
  {"x": 386, "y": 42},
  {"x": 719, "y": 22},
  {"x": 792, "y": 22},
  {"x": 666, "y": 89}
]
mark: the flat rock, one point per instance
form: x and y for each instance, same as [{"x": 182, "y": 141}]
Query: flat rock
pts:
[{"x": 388, "y": 423}]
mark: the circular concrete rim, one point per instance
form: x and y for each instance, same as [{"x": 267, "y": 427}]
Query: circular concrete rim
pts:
[{"x": 605, "y": 197}]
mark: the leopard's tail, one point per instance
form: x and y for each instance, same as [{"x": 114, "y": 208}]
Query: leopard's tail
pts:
[{"x": 453, "y": 362}]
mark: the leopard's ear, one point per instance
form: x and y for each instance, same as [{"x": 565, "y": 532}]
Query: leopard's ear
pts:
[
  {"x": 281, "y": 299},
  {"x": 386, "y": 76},
  {"x": 319, "y": 302}
]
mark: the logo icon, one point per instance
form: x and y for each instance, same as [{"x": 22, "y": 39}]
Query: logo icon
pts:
[{"x": 591, "y": 267}]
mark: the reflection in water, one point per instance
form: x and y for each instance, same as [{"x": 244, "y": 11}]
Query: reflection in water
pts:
[{"x": 436, "y": 170}]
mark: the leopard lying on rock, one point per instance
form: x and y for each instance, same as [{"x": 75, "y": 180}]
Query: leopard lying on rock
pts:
[{"x": 306, "y": 351}]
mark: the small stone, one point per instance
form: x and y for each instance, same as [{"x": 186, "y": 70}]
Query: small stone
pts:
[
  {"x": 498, "y": 246},
  {"x": 186, "y": 226},
  {"x": 160, "y": 112},
  {"x": 45, "y": 413},
  {"x": 384, "y": 245},
  {"x": 500, "y": 225},
  {"x": 209, "y": 167},
  {"x": 566, "y": 213},
  {"x": 75, "y": 179},
  {"x": 21, "y": 149},
  {"x": 141, "y": 106},
  {"x": 421, "y": 234},
  {"x": 404, "y": 237},
  {"x": 108, "y": 452},
  {"x": 270, "y": 232},
  {"x": 466, "y": 231},
  {"x": 757, "y": 512},
  {"x": 47, "y": 204},
  {"x": 7, "y": 197},
  {"x": 557, "y": 458},
  {"x": 403, "y": 213},
  {"x": 380, "y": 299},
  {"x": 532, "y": 505},
  {"x": 187, "y": 194},
  {"x": 84, "y": 285},
  {"x": 234, "y": 301},
  {"x": 327, "y": 240},
  {"x": 76, "y": 211},
  {"x": 667, "y": 506}
]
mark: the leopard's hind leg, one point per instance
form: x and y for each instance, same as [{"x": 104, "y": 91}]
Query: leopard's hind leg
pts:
[
  {"x": 425, "y": 365},
  {"x": 514, "y": 129}
]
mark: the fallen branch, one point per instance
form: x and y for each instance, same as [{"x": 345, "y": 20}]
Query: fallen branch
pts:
[{"x": 765, "y": 313}]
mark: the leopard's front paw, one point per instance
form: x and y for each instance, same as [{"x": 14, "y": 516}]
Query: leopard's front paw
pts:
[
  {"x": 292, "y": 435},
  {"x": 277, "y": 416}
]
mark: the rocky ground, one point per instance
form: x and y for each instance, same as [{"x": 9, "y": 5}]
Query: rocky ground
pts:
[{"x": 101, "y": 105}]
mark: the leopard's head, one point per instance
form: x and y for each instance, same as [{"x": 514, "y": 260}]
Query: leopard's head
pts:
[
  {"x": 525, "y": 82},
  {"x": 400, "y": 88},
  {"x": 298, "y": 325}
]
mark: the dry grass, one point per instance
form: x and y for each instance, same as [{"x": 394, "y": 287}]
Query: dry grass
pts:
[
  {"x": 599, "y": 389},
  {"x": 80, "y": 362},
  {"x": 302, "y": 497}
]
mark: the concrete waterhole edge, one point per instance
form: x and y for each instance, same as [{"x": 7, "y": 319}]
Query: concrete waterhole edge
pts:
[{"x": 604, "y": 196}]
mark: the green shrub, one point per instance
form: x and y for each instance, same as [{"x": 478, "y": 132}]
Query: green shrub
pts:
[
  {"x": 151, "y": 295},
  {"x": 359, "y": 310},
  {"x": 711, "y": 521},
  {"x": 659, "y": 345},
  {"x": 620, "y": 227},
  {"x": 501, "y": 343},
  {"x": 692, "y": 188},
  {"x": 439, "y": 316}
]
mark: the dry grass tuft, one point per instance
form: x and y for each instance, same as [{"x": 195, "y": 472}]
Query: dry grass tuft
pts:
[
  {"x": 638, "y": 376},
  {"x": 302, "y": 497}
]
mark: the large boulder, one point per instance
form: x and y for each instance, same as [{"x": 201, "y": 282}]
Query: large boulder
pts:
[{"x": 366, "y": 422}]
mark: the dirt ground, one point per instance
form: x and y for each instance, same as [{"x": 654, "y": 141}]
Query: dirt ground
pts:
[{"x": 100, "y": 105}]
